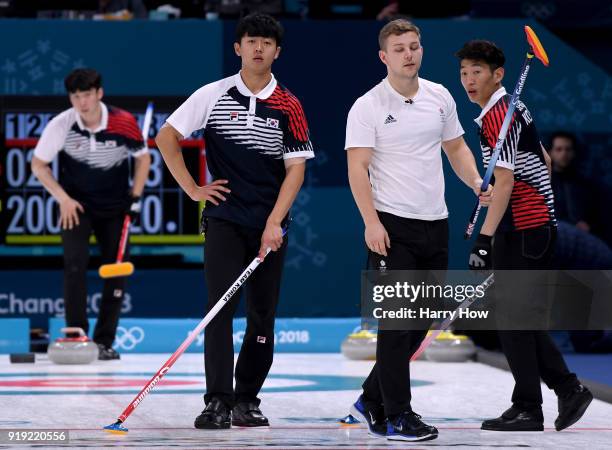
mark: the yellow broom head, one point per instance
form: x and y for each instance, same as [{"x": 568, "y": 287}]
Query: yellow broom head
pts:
[{"x": 123, "y": 269}]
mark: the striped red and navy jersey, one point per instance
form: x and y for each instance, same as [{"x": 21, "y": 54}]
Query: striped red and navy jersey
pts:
[
  {"x": 532, "y": 201},
  {"x": 248, "y": 137},
  {"x": 94, "y": 168}
]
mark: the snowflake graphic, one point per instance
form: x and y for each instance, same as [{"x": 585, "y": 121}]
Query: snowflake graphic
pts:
[
  {"x": 8, "y": 66},
  {"x": 43, "y": 47},
  {"x": 39, "y": 69}
]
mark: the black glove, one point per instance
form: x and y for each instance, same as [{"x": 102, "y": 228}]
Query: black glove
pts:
[
  {"x": 480, "y": 256},
  {"x": 135, "y": 209}
]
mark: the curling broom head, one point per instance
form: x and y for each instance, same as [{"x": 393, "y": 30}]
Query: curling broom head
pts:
[
  {"x": 536, "y": 45},
  {"x": 114, "y": 270},
  {"x": 116, "y": 428},
  {"x": 348, "y": 421}
]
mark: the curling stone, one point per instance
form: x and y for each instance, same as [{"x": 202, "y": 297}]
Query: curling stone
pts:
[
  {"x": 360, "y": 345},
  {"x": 73, "y": 350},
  {"x": 450, "y": 347}
]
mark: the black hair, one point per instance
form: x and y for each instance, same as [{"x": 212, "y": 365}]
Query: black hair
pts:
[
  {"x": 82, "y": 80},
  {"x": 566, "y": 135},
  {"x": 259, "y": 25},
  {"x": 481, "y": 50}
]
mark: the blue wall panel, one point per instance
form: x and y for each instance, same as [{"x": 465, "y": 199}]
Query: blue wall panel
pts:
[{"x": 135, "y": 58}]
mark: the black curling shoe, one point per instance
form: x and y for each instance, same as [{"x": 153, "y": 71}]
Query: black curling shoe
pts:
[
  {"x": 572, "y": 407},
  {"x": 107, "y": 353},
  {"x": 216, "y": 416},
  {"x": 248, "y": 415},
  {"x": 408, "y": 426},
  {"x": 515, "y": 419}
]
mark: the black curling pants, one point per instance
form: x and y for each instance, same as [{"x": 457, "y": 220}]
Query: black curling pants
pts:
[
  {"x": 76, "y": 258},
  {"x": 229, "y": 248},
  {"x": 415, "y": 244},
  {"x": 531, "y": 354}
]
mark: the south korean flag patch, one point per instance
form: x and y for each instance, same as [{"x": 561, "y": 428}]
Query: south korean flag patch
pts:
[{"x": 271, "y": 123}]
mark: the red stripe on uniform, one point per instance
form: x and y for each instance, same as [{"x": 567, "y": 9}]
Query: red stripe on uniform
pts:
[
  {"x": 286, "y": 102},
  {"x": 123, "y": 123},
  {"x": 529, "y": 207},
  {"x": 493, "y": 121}
]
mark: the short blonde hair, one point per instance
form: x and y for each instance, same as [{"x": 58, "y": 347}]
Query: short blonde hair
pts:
[{"x": 396, "y": 27}]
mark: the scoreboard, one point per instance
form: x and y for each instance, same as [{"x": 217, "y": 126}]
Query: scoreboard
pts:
[{"x": 30, "y": 216}]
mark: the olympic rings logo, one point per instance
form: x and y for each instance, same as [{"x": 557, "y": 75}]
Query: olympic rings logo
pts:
[
  {"x": 539, "y": 10},
  {"x": 127, "y": 339}
]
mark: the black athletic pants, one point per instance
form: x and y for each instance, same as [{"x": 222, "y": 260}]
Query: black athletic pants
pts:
[
  {"x": 229, "y": 248},
  {"x": 531, "y": 354},
  {"x": 76, "y": 258},
  {"x": 415, "y": 244}
]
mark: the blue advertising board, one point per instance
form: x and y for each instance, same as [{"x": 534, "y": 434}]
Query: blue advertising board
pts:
[
  {"x": 137, "y": 335},
  {"x": 14, "y": 336}
]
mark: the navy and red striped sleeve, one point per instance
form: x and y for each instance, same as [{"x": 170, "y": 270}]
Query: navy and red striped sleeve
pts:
[
  {"x": 123, "y": 124},
  {"x": 491, "y": 126},
  {"x": 296, "y": 134}
]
